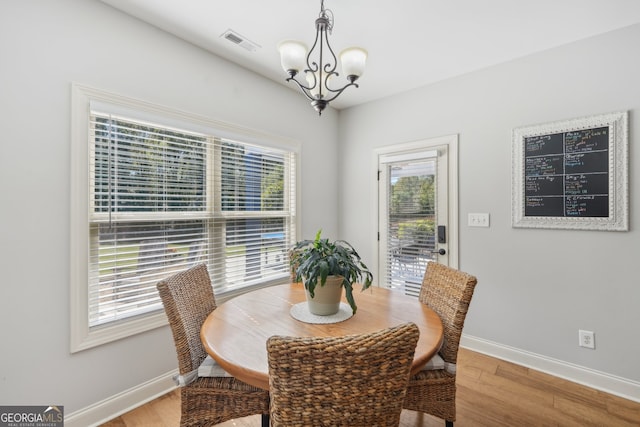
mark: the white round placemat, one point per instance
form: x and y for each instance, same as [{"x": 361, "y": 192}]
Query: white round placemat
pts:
[{"x": 301, "y": 312}]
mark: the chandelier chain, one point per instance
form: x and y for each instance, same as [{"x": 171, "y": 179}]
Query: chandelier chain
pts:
[{"x": 328, "y": 15}]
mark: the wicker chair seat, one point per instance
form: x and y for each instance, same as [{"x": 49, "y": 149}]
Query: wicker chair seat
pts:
[{"x": 432, "y": 392}]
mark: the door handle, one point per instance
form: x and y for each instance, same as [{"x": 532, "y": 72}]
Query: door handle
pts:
[{"x": 439, "y": 252}]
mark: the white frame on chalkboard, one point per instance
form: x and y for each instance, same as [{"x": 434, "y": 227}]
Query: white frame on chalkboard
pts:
[{"x": 618, "y": 218}]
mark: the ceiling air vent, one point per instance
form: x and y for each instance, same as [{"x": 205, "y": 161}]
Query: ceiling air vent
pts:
[{"x": 242, "y": 41}]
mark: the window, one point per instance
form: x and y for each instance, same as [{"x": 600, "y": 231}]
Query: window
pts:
[
  {"x": 162, "y": 194},
  {"x": 410, "y": 221}
]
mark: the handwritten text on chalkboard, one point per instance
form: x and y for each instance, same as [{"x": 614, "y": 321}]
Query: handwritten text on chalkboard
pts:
[{"x": 567, "y": 174}]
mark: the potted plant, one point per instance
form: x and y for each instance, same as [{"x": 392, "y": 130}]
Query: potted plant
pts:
[{"x": 322, "y": 262}]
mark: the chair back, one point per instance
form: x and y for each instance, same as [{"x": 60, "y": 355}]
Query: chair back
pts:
[
  {"x": 188, "y": 299},
  {"x": 293, "y": 266},
  {"x": 355, "y": 380},
  {"x": 448, "y": 292}
]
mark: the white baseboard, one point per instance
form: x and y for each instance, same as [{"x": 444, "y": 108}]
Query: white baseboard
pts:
[
  {"x": 598, "y": 380},
  {"x": 127, "y": 400},
  {"x": 123, "y": 402}
]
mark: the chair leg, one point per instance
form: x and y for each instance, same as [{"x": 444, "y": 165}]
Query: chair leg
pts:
[
  {"x": 265, "y": 420},
  {"x": 448, "y": 423}
]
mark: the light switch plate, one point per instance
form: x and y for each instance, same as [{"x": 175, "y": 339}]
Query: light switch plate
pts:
[{"x": 478, "y": 220}]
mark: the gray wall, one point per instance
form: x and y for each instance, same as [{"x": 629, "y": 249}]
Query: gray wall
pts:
[
  {"x": 525, "y": 299},
  {"x": 44, "y": 46},
  {"x": 536, "y": 287}
]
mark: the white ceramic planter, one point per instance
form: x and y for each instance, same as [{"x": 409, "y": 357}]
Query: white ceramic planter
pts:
[{"x": 326, "y": 299}]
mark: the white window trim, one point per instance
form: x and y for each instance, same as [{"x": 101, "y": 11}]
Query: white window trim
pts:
[{"x": 83, "y": 337}]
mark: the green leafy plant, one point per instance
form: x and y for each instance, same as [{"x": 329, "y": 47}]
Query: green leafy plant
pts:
[{"x": 314, "y": 260}]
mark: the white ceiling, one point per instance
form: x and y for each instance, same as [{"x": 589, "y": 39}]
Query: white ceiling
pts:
[{"x": 411, "y": 43}]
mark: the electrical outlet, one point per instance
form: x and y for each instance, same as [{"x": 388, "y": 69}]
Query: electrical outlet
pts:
[
  {"x": 587, "y": 339},
  {"x": 478, "y": 220}
]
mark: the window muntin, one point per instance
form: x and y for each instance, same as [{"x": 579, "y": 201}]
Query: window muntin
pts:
[{"x": 163, "y": 197}]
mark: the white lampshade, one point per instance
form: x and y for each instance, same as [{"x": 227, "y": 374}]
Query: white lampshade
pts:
[
  {"x": 353, "y": 60},
  {"x": 316, "y": 90},
  {"x": 293, "y": 55}
]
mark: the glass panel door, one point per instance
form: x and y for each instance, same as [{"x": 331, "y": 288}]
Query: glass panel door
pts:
[{"x": 413, "y": 216}]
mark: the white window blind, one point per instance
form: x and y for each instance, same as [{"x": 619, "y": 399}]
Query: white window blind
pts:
[
  {"x": 163, "y": 199},
  {"x": 410, "y": 221}
]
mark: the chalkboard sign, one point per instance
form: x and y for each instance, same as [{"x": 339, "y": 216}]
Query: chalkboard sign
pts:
[
  {"x": 564, "y": 174},
  {"x": 567, "y": 174}
]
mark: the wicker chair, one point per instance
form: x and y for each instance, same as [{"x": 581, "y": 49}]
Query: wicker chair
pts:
[
  {"x": 211, "y": 397},
  {"x": 355, "y": 380},
  {"x": 433, "y": 390},
  {"x": 292, "y": 266}
]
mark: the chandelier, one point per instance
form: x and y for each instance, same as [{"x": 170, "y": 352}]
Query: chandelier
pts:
[{"x": 320, "y": 63}]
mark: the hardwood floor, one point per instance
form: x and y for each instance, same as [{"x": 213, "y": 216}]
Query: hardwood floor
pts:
[{"x": 491, "y": 392}]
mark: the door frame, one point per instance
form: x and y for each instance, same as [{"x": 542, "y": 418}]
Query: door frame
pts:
[{"x": 451, "y": 142}]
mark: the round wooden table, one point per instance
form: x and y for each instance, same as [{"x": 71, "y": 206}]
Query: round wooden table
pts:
[{"x": 235, "y": 333}]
